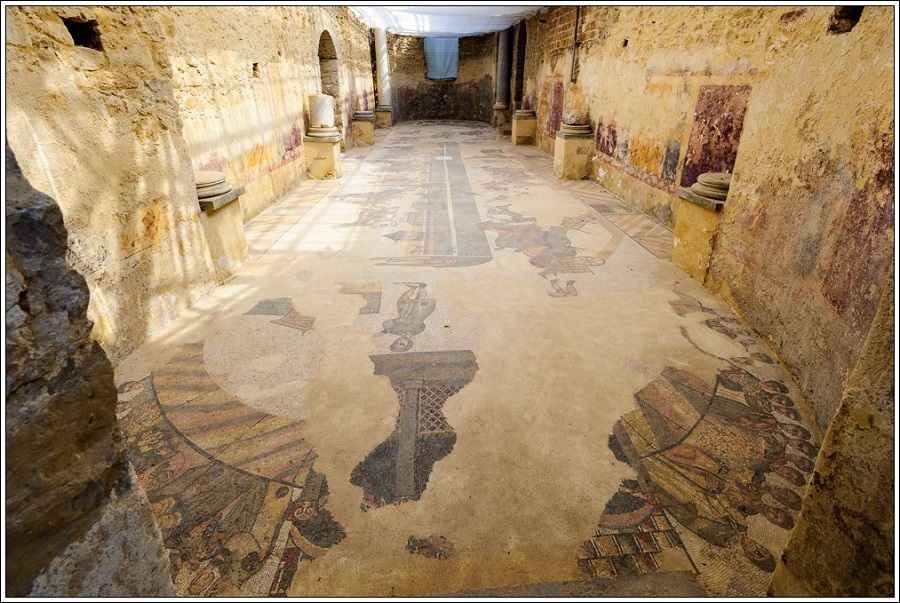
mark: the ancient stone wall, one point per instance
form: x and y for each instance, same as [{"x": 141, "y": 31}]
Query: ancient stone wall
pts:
[
  {"x": 470, "y": 96},
  {"x": 843, "y": 545},
  {"x": 98, "y": 129},
  {"x": 111, "y": 109},
  {"x": 807, "y": 234},
  {"x": 639, "y": 72},
  {"x": 242, "y": 77},
  {"x": 77, "y": 524}
]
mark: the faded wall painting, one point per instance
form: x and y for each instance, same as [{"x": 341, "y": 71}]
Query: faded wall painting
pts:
[{"x": 718, "y": 124}]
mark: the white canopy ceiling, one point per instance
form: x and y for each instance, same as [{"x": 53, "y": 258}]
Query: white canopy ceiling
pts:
[{"x": 442, "y": 21}]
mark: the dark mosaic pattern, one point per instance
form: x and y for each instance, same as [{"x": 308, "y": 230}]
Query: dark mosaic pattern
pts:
[
  {"x": 398, "y": 469},
  {"x": 448, "y": 226}
]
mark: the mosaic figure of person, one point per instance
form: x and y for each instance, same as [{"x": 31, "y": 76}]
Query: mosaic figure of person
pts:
[{"x": 413, "y": 307}]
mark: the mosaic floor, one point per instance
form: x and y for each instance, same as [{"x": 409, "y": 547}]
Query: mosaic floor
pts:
[{"x": 449, "y": 372}]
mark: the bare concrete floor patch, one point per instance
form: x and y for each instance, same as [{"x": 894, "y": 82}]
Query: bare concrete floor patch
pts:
[{"x": 449, "y": 372}]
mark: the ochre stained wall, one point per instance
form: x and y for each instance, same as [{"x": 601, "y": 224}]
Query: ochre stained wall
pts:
[
  {"x": 807, "y": 236},
  {"x": 802, "y": 117},
  {"x": 114, "y": 133},
  {"x": 242, "y": 77},
  {"x": 470, "y": 96},
  {"x": 844, "y": 541},
  {"x": 99, "y": 131}
]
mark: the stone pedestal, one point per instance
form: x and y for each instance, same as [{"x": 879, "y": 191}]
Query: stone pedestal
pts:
[
  {"x": 363, "y": 127},
  {"x": 321, "y": 111},
  {"x": 570, "y": 153},
  {"x": 524, "y": 126},
  {"x": 323, "y": 157},
  {"x": 695, "y": 232},
  {"x": 383, "y": 116},
  {"x": 500, "y": 118},
  {"x": 223, "y": 222}
]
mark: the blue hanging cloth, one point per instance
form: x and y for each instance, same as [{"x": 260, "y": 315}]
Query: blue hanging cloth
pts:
[{"x": 441, "y": 58}]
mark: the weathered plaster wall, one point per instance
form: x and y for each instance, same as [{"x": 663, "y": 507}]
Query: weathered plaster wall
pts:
[
  {"x": 802, "y": 117},
  {"x": 807, "y": 234},
  {"x": 639, "y": 72},
  {"x": 76, "y": 522},
  {"x": 470, "y": 96},
  {"x": 242, "y": 77},
  {"x": 114, "y": 134},
  {"x": 843, "y": 545},
  {"x": 99, "y": 130}
]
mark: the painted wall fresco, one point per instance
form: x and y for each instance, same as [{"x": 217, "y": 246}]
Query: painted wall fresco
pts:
[
  {"x": 552, "y": 102},
  {"x": 716, "y": 133}
]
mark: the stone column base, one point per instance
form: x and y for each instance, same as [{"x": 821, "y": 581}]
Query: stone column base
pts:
[
  {"x": 383, "y": 117},
  {"x": 500, "y": 119},
  {"x": 224, "y": 226},
  {"x": 364, "y": 131},
  {"x": 323, "y": 158},
  {"x": 523, "y": 130},
  {"x": 695, "y": 233},
  {"x": 570, "y": 155}
]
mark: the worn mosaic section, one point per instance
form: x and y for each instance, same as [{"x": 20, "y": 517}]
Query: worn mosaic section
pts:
[
  {"x": 233, "y": 489},
  {"x": 548, "y": 249},
  {"x": 433, "y": 547},
  {"x": 729, "y": 326},
  {"x": 718, "y": 123},
  {"x": 710, "y": 459},
  {"x": 370, "y": 292},
  {"x": 289, "y": 316},
  {"x": 507, "y": 176},
  {"x": 446, "y": 220},
  {"x": 397, "y": 470},
  {"x": 634, "y": 536},
  {"x": 413, "y": 306}
]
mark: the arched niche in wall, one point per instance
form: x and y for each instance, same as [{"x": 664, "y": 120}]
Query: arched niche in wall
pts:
[
  {"x": 519, "y": 72},
  {"x": 329, "y": 74}
]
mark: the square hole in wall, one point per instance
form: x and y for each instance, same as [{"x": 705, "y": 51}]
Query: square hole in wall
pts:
[{"x": 84, "y": 33}]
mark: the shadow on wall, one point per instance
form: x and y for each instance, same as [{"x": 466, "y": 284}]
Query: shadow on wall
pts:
[
  {"x": 446, "y": 100},
  {"x": 97, "y": 128},
  {"x": 72, "y": 512},
  {"x": 469, "y": 97}
]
